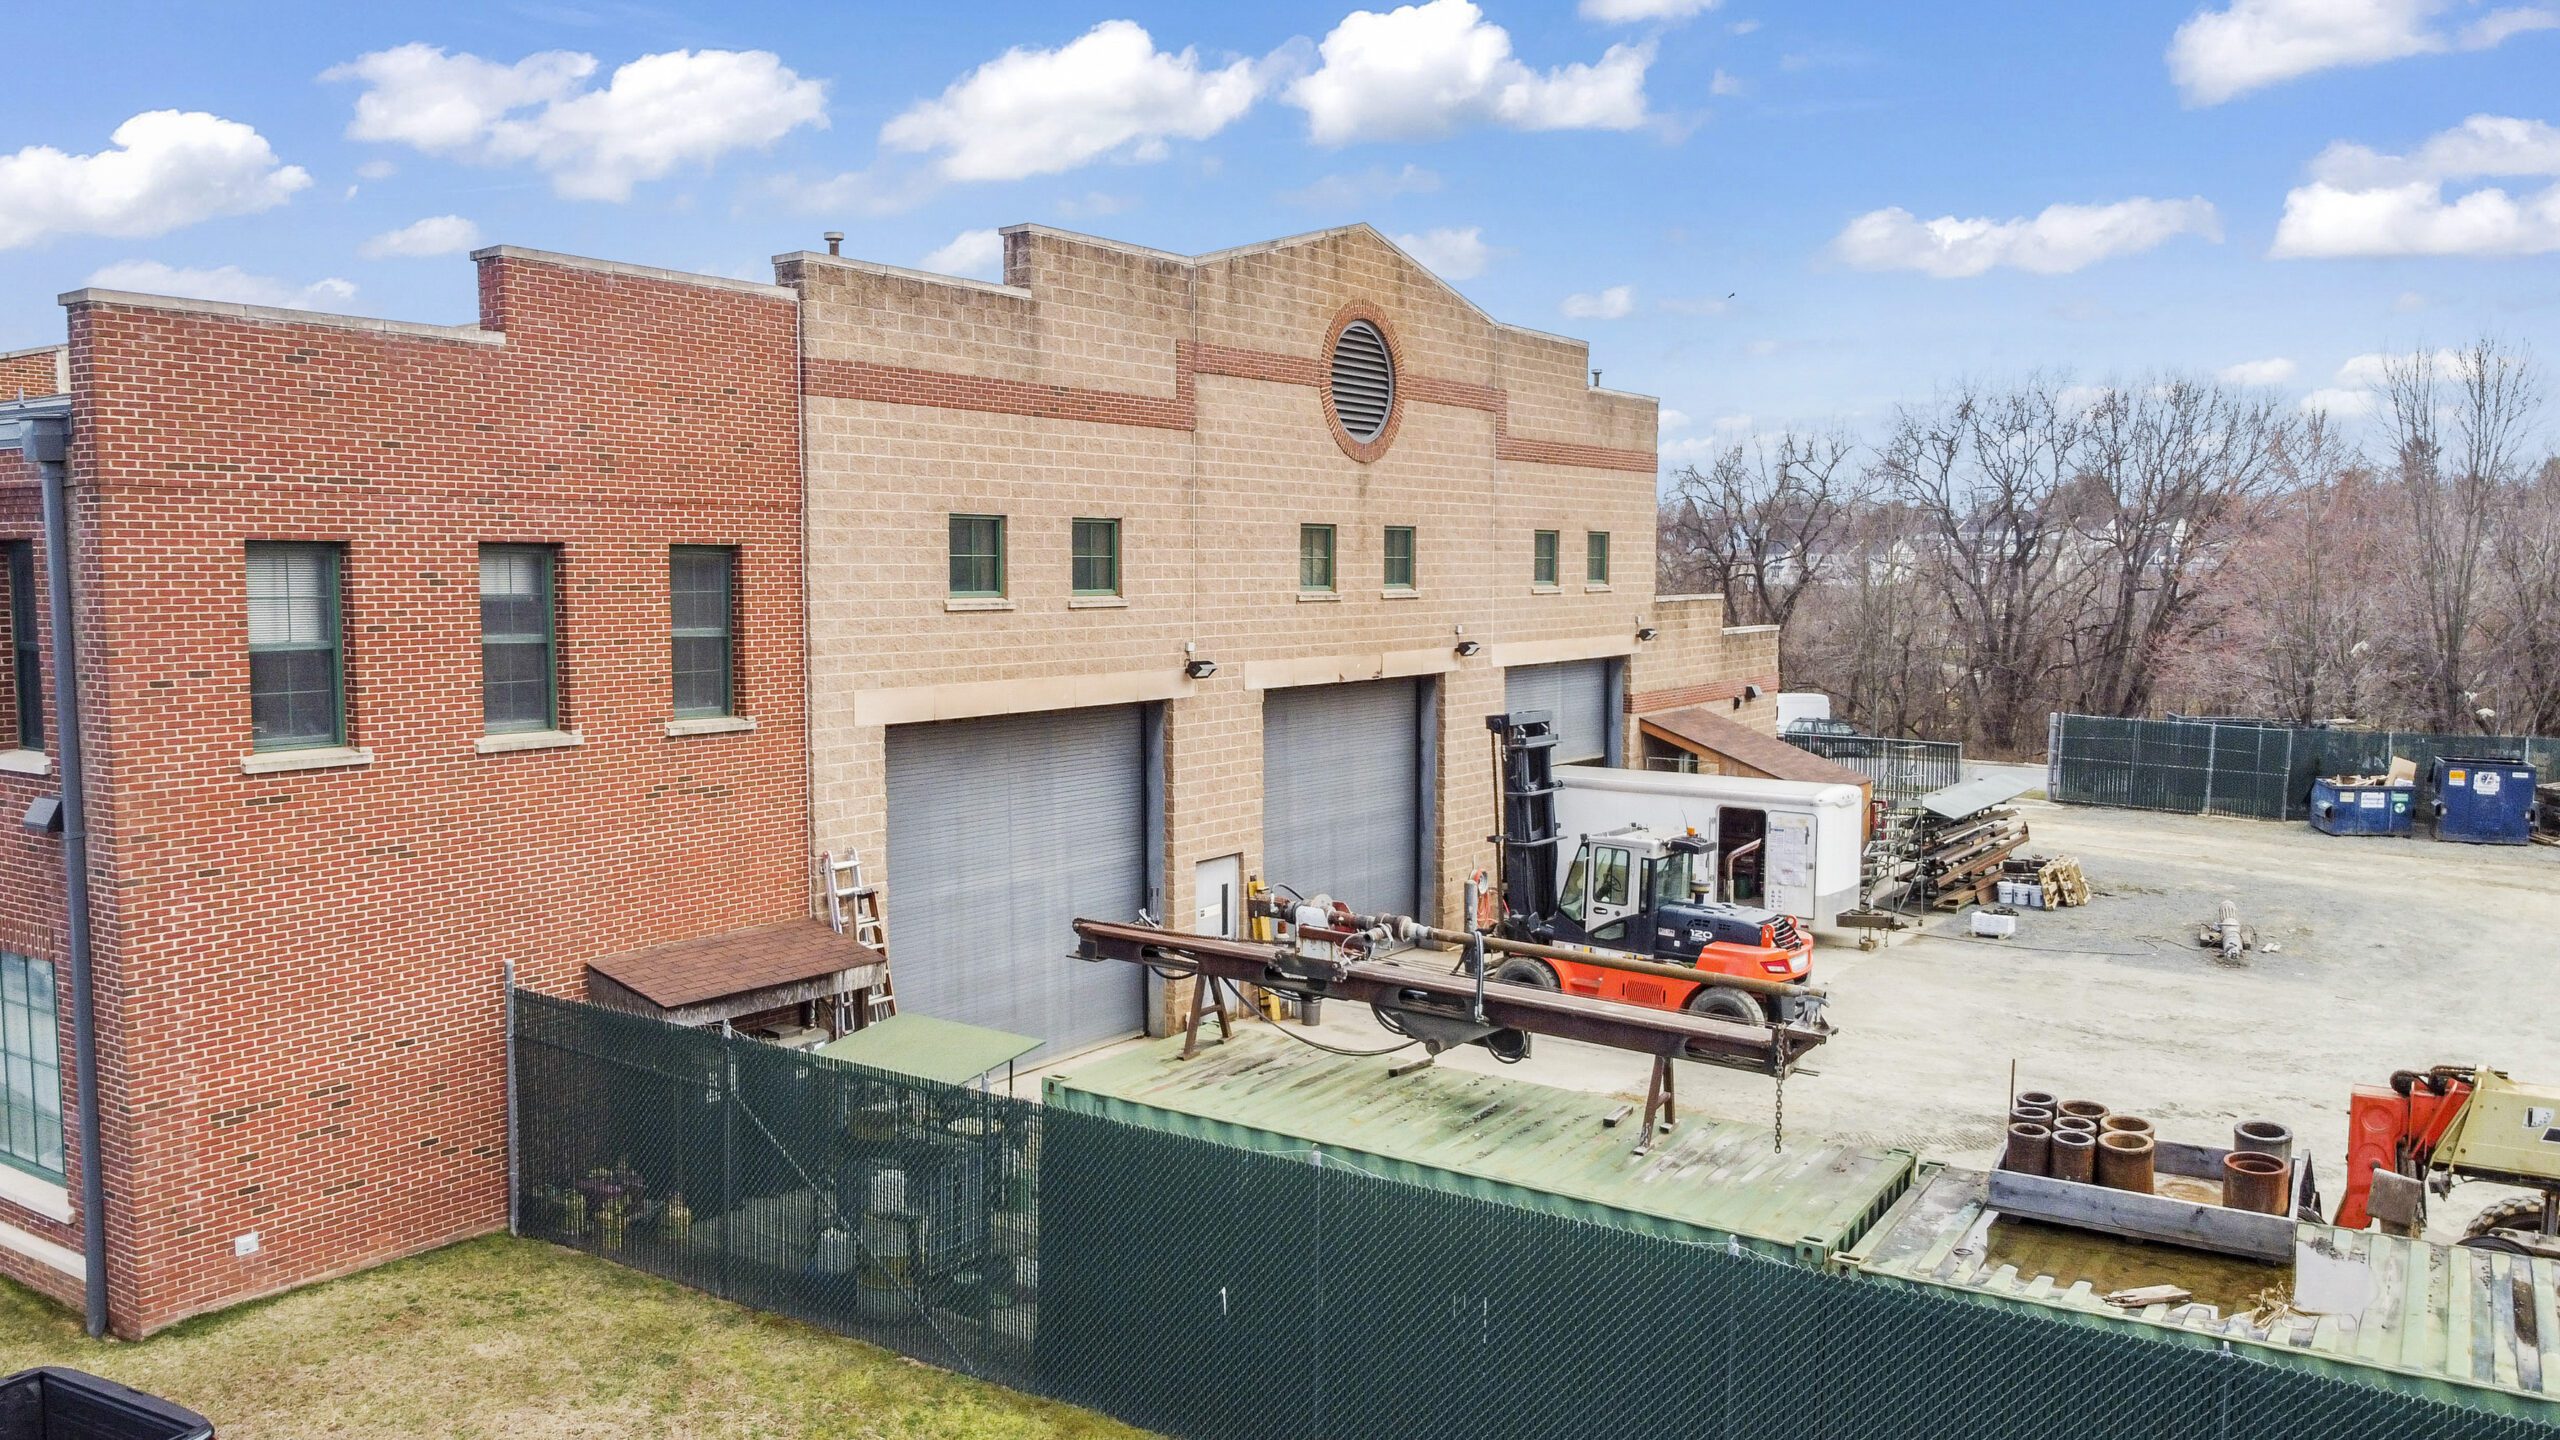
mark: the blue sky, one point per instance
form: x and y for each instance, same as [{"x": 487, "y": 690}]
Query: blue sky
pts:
[{"x": 1764, "y": 214}]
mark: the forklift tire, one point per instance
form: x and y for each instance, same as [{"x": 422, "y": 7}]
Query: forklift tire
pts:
[
  {"x": 1519, "y": 970},
  {"x": 2524, "y": 1212},
  {"x": 1716, "y": 1002}
]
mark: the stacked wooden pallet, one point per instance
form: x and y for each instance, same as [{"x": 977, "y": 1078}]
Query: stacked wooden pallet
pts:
[
  {"x": 1960, "y": 860},
  {"x": 2064, "y": 885}
]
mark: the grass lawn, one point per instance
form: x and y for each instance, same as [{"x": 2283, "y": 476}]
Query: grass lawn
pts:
[{"x": 502, "y": 1337}]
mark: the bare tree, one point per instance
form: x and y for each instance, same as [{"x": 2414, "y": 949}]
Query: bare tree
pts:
[
  {"x": 2520, "y": 631},
  {"x": 1987, "y": 475},
  {"x": 1764, "y": 518},
  {"x": 2459, "y": 442}
]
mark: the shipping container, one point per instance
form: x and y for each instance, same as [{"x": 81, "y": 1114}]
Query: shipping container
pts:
[
  {"x": 1527, "y": 1145},
  {"x": 2341, "y": 808},
  {"x": 2483, "y": 800}
]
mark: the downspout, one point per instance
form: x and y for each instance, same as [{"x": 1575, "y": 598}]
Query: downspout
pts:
[{"x": 48, "y": 444}]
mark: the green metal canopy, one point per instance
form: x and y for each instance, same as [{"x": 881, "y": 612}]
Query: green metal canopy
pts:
[{"x": 927, "y": 1048}]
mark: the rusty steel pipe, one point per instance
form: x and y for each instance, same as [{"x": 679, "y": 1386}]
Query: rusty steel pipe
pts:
[
  {"x": 2034, "y": 1100},
  {"x": 2077, "y": 1125},
  {"x": 2030, "y": 1150},
  {"x": 2089, "y": 1110},
  {"x": 2252, "y": 1181},
  {"x": 2030, "y": 1115},
  {"x": 1673, "y": 1034},
  {"x": 2126, "y": 1125},
  {"x": 2074, "y": 1154},
  {"x": 2125, "y": 1161},
  {"x": 2264, "y": 1137}
]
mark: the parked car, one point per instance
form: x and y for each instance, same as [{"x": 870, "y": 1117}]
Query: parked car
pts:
[{"x": 1820, "y": 727}]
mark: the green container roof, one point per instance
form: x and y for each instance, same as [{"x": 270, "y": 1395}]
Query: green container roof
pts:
[
  {"x": 1523, "y": 1144},
  {"x": 929, "y": 1048},
  {"x": 2432, "y": 1319}
]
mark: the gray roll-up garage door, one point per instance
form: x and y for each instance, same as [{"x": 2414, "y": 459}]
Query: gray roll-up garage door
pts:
[
  {"x": 1578, "y": 694},
  {"x": 1002, "y": 832},
  {"x": 1342, "y": 793}
]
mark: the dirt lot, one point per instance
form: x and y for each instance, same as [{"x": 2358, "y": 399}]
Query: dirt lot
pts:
[{"x": 2391, "y": 954}]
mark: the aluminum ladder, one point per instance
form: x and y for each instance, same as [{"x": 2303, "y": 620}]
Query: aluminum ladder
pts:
[{"x": 855, "y": 904}]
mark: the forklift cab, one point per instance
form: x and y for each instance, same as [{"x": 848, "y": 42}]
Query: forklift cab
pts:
[{"x": 1628, "y": 875}]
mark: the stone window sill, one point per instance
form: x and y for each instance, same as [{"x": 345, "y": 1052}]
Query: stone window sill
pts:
[
  {"x": 1319, "y": 597},
  {"x": 710, "y": 725},
  {"x": 1601, "y": 589},
  {"x": 1400, "y": 592},
  {"x": 1099, "y": 602},
  {"x": 35, "y": 1195},
  {"x": 514, "y": 740},
  {"x": 319, "y": 757},
  {"x": 25, "y": 762},
  {"x": 1546, "y": 589},
  {"x": 962, "y": 606}
]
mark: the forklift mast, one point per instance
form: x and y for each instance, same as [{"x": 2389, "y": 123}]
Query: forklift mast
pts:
[{"x": 1525, "y": 833}]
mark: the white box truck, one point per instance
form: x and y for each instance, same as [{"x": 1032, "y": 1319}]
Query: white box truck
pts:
[{"x": 1786, "y": 845}]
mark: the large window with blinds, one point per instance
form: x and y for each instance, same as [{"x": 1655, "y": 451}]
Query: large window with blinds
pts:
[
  {"x": 519, "y": 669},
  {"x": 297, "y": 679},
  {"x": 30, "y": 1068},
  {"x": 701, "y": 581}
]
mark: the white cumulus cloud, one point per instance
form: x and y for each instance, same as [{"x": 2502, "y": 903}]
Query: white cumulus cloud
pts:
[
  {"x": 1108, "y": 92},
  {"x": 2342, "y": 403},
  {"x": 1421, "y": 71},
  {"x": 2361, "y": 202},
  {"x": 1625, "y": 12},
  {"x": 435, "y": 235},
  {"x": 1610, "y": 304},
  {"x": 653, "y": 115},
  {"x": 978, "y": 254},
  {"x": 2055, "y": 241},
  {"x": 1450, "y": 253},
  {"x": 2274, "y": 371},
  {"x": 167, "y": 168},
  {"x": 228, "y": 282},
  {"x": 2250, "y": 44}
]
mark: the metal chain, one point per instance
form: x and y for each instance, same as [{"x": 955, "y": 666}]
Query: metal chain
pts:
[{"x": 1780, "y": 1126}]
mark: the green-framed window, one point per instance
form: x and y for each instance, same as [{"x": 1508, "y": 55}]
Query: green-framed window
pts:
[
  {"x": 1315, "y": 558},
  {"x": 977, "y": 557},
  {"x": 297, "y": 661},
  {"x": 701, "y": 603},
  {"x": 1595, "y": 557},
  {"x": 1398, "y": 551},
  {"x": 30, "y": 1068},
  {"x": 1542, "y": 558},
  {"x": 1096, "y": 557},
  {"x": 519, "y": 644},
  {"x": 26, "y": 656}
]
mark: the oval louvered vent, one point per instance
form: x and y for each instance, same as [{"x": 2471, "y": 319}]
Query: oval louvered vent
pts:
[{"x": 1364, "y": 381}]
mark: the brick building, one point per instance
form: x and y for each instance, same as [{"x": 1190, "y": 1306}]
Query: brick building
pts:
[{"x": 1126, "y": 579}]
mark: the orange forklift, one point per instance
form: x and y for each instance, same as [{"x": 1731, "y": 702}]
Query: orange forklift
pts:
[{"x": 2428, "y": 1128}]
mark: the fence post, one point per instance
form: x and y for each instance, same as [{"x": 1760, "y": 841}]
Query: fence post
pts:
[
  {"x": 515, "y": 1171},
  {"x": 2052, "y": 757},
  {"x": 728, "y": 1163},
  {"x": 2212, "y": 758}
]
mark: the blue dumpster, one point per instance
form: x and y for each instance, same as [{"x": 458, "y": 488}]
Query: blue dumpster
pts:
[
  {"x": 2341, "y": 808},
  {"x": 2483, "y": 800}
]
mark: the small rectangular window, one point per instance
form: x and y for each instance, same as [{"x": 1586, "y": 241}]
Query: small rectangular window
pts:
[
  {"x": 26, "y": 656},
  {"x": 519, "y": 668},
  {"x": 297, "y": 674},
  {"x": 1543, "y": 559},
  {"x": 1096, "y": 562},
  {"x": 1399, "y": 557},
  {"x": 1315, "y": 557},
  {"x": 30, "y": 1068},
  {"x": 977, "y": 557},
  {"x": 701, "y": 581},
  {"x": 1595, "y": 557}
]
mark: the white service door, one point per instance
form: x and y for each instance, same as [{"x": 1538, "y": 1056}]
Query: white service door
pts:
[
  {"x": 1790, "y": 873},
  {"x": 1217, "y": 888}
]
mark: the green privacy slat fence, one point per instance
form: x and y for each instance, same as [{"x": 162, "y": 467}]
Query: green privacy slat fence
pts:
[
  {"x": 1215, "y": 1293},
  {"x": 2262, "y": 772},
  {"x": 1903, "y": 770}
]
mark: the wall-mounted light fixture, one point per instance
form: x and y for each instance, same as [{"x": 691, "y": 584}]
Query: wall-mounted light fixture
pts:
[
  {"x": 1194, "y": 666},
  {"x": 1468, "y": 649},
  {"x": 1646, "y": 633}
]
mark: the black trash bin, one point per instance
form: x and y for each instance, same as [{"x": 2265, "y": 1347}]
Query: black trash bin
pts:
[{"x": 52, "y": 1403}]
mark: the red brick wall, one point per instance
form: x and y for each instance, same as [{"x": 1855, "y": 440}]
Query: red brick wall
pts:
[
  {"x": 300, "y": 973},
  {"x": 30, "y": 373}
]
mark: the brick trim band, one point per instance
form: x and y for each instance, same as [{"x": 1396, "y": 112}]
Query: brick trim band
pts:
[
  {"x": 1648, "y": 702},
  {"x": 833, "y": 379}
]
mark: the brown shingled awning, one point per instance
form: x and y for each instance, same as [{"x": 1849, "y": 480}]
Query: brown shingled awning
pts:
[
  {"x": 736, "y": 972},
  {"x": 1699, "y": 730}
]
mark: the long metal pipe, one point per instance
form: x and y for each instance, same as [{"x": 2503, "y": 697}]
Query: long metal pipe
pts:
[{"x": 48, "y": 444}]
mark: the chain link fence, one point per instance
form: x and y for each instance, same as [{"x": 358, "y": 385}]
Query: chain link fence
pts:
[
  {"x": 1216, "y": 1293},
  {"x": 2259, "y": 772},
  {"x": 1903, "y": 770}
]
